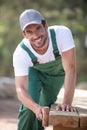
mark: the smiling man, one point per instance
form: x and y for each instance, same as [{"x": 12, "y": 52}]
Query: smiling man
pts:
[{"x": 43, "y": 62}]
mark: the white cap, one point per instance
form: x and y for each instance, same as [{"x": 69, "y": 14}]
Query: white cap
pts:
[{"x": 28, "y": 17}]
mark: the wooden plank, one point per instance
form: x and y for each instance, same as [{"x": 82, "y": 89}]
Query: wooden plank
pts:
[
  {"x": 83, "y": 117},
  {"x": 64, "y": 119},
  {"x": 67, "y": 128}
]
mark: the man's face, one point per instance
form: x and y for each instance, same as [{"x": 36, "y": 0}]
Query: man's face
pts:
[{"x": 36, "y": 34}]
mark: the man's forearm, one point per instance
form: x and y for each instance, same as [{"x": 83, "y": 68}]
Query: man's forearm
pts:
[
  {"x": 69, "y": 86},
  {"x": 26, "y": 100}
]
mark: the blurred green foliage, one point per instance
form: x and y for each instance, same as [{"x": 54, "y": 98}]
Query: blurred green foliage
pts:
[{"x": 60, "y": 12}]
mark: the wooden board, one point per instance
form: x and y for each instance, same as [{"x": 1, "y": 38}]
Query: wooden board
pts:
[
  {"x": 83, "y": 117},
  {"x": 63, "y": 119},
  {"x": 67, "y": 128}
]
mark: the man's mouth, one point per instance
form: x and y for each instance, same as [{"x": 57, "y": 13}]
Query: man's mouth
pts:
[{"x": 39, "y": 38}]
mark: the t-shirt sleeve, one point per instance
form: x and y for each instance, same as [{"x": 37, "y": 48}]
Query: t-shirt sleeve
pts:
[
  {"x": 65, "y": 39},
  {"x": 20, "y": 65}
]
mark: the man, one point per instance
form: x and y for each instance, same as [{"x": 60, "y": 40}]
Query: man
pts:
[{"x": 43, "y": 62}]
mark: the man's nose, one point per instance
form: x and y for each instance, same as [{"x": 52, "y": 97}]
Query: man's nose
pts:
[{"x": 36, "y": 35}]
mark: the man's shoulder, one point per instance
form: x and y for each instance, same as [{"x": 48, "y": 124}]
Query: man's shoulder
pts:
[
  {"x": 58, "y": 27},
  {"x": 18, "y": 49}
]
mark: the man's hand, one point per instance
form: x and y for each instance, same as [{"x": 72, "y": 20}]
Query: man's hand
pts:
[
  {"x": 39, "y": 114},
  {"x": 42, "y": 114},
  {"x": 65, "y": 107}
]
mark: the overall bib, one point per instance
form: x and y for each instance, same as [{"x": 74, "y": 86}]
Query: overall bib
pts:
[{"x": 45, "y": 82}]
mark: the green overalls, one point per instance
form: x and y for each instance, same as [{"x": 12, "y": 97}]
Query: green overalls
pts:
[{"x": 45, "y": 82}]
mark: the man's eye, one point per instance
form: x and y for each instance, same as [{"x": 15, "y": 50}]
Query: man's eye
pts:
[
  {"x": 28, "y": 32},
  {"x": 39, "y": 27}
]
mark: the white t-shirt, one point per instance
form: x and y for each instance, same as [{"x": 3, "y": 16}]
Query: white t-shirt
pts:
[{"x": 22, "y": 61}]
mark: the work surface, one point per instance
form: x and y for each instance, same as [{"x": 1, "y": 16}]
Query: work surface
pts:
[
  {"x": 70, "y": 120},
  {"x": 9, "y": 109}
]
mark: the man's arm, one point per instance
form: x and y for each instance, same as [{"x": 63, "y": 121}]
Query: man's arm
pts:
[
  {"x": 24, "y": 97},
  {"x": 69, "y": 64}
]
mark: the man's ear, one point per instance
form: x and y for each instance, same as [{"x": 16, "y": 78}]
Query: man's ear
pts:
[
  {"x": 24, "y": 34},
  {"x": 46, "y": 25}
]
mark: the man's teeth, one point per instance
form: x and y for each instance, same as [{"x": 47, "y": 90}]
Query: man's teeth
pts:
[{"x": 38, "y": 38}]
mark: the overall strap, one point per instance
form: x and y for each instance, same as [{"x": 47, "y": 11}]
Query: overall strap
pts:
[
  {"x": 33, "y": 57},
  {"x": 54, "y": 43}
]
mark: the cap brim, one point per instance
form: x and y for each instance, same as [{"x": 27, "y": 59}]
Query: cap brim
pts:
[{"x": 33, "y": 22}]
